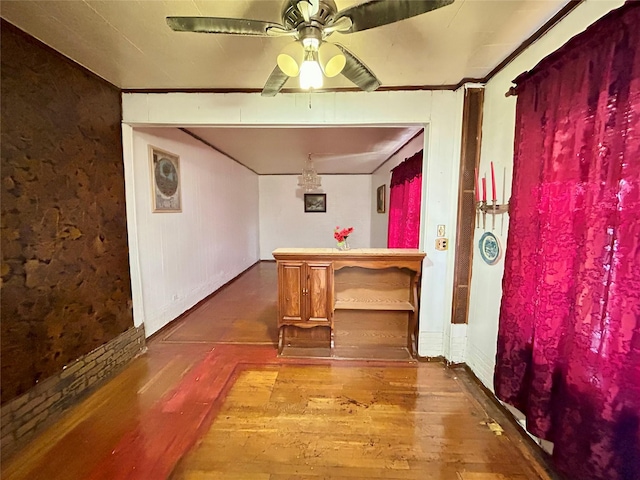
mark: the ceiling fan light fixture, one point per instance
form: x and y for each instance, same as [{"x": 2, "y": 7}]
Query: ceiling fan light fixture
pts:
[
  {"x": 310, "y": 73},
  {"x": 290, "y": 59},
  {"x": 310, "y": 22},
  {"x": 331, "y": 58}
]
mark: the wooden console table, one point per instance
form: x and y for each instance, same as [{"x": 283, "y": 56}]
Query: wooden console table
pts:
[{"x": 360, "y": 303}]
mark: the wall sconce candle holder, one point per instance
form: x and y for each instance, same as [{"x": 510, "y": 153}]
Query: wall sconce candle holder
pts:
[{"x": 492, "y": 208}]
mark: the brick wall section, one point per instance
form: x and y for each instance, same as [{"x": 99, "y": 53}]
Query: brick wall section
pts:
[{"x": 32, "y": 412}]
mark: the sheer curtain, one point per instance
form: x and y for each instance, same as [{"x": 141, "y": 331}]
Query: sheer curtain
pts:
[
  {"x": 404, "y": 203},
  {"x": 569, "y": 335}
]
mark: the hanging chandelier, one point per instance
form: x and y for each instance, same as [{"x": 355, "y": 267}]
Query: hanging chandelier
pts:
[{"x": 309, "y": 180}]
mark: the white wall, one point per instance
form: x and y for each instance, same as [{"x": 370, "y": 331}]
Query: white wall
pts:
[
  {"x": 179, "y": 258},
  {"x": 497, "y": 146},
  {"x": 284, "y": 223},
  {"x": 440, "y": 112},
  {"x": 380, "y": 221}
]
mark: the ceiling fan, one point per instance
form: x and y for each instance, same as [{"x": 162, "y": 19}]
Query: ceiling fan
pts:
[{"x": 310, "y": 22}]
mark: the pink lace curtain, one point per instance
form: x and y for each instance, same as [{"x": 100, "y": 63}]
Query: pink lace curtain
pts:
[
  {"x": 569, "y": 335},
  {"x": 404, "y": 203}
]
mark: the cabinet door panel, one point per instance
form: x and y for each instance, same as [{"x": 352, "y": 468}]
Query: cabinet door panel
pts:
[
  {"x": 320, "y": 292},
  {"x": 290, "y": 292}
]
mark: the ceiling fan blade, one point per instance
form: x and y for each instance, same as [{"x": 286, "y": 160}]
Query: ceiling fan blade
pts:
[
  {"x": 358, "y": 72},
  {"x": 375, "y": 13},
  {"x": 275, "y": 82},
  {"x": 232, "y": 26}
]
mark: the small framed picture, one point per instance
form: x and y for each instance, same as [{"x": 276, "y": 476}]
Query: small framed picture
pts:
[
  {"x": 380, "y": 198},
  {"x": 315, "y": 202},
  {"x": 165, "y": 180}
]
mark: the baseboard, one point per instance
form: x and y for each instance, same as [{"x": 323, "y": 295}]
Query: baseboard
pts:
[{"x": 438, "y": 359}]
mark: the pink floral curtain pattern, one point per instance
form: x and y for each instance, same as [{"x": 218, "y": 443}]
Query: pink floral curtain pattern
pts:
[
  {"x": 404, "y": 203},
  {"x": 569, "y": 335}
]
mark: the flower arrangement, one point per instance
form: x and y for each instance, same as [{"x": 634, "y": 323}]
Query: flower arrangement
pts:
[{"x": 341, "y": 237}]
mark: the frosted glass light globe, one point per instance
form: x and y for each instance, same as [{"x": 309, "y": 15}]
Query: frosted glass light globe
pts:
[{"x": 310, "y": 75}]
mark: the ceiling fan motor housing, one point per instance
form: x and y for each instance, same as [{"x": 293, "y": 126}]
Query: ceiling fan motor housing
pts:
[{"x": 292, "y": 17}]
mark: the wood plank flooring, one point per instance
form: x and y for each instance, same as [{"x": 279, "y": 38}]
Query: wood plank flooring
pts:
[
  {"x": 350, "y": 422},
  {"x": 210, "y": 399}
]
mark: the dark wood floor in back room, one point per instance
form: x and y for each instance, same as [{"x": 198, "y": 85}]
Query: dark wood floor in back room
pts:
[{"x": 210, "y": 399}]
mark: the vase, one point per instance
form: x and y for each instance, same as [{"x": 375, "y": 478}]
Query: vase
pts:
[{"x": 344, "y": 245}]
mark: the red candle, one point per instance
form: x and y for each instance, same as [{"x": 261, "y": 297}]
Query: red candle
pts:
[
  {"x": 477, "y": 187},
  {"x": 493, "y": 184},
  {"x": 484, "y": 188}
]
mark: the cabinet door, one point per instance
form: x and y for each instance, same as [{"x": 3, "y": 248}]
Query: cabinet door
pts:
[
  {"x": 290, "y": 289},
  {"x": 319, "y": 293}
]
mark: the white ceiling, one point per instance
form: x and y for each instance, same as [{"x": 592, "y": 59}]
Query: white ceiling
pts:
[
  {"x": 129, "y": 44},
  {"x": 337, "y": 150}
]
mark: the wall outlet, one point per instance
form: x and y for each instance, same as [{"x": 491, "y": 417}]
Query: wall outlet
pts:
[
  {"x": 441, "y": 231},
  {"x": 442, "y": 243}
]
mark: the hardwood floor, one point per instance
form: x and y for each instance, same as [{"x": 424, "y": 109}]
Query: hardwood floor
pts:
[
  {"x": 350, "y": 422},
  {"x": 210, "y": 399}
]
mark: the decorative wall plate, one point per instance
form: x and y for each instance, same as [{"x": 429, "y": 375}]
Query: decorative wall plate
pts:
[{"x": 490, "y": 249}]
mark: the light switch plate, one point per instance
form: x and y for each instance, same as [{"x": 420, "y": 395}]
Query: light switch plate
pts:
[{"x": 441, "y": 231}]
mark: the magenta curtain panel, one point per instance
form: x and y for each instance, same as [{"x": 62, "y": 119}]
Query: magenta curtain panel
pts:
[
  {"x": 404, "y": 203},
  {"x": 569, "y": 335}
]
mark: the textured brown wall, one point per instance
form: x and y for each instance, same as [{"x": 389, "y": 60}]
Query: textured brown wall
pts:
[{"x": 65, "y": 270}]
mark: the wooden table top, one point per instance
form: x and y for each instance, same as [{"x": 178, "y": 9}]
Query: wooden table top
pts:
[
  {"x": 360, "y": 252},
  {"x": 357, "y": 257}
]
